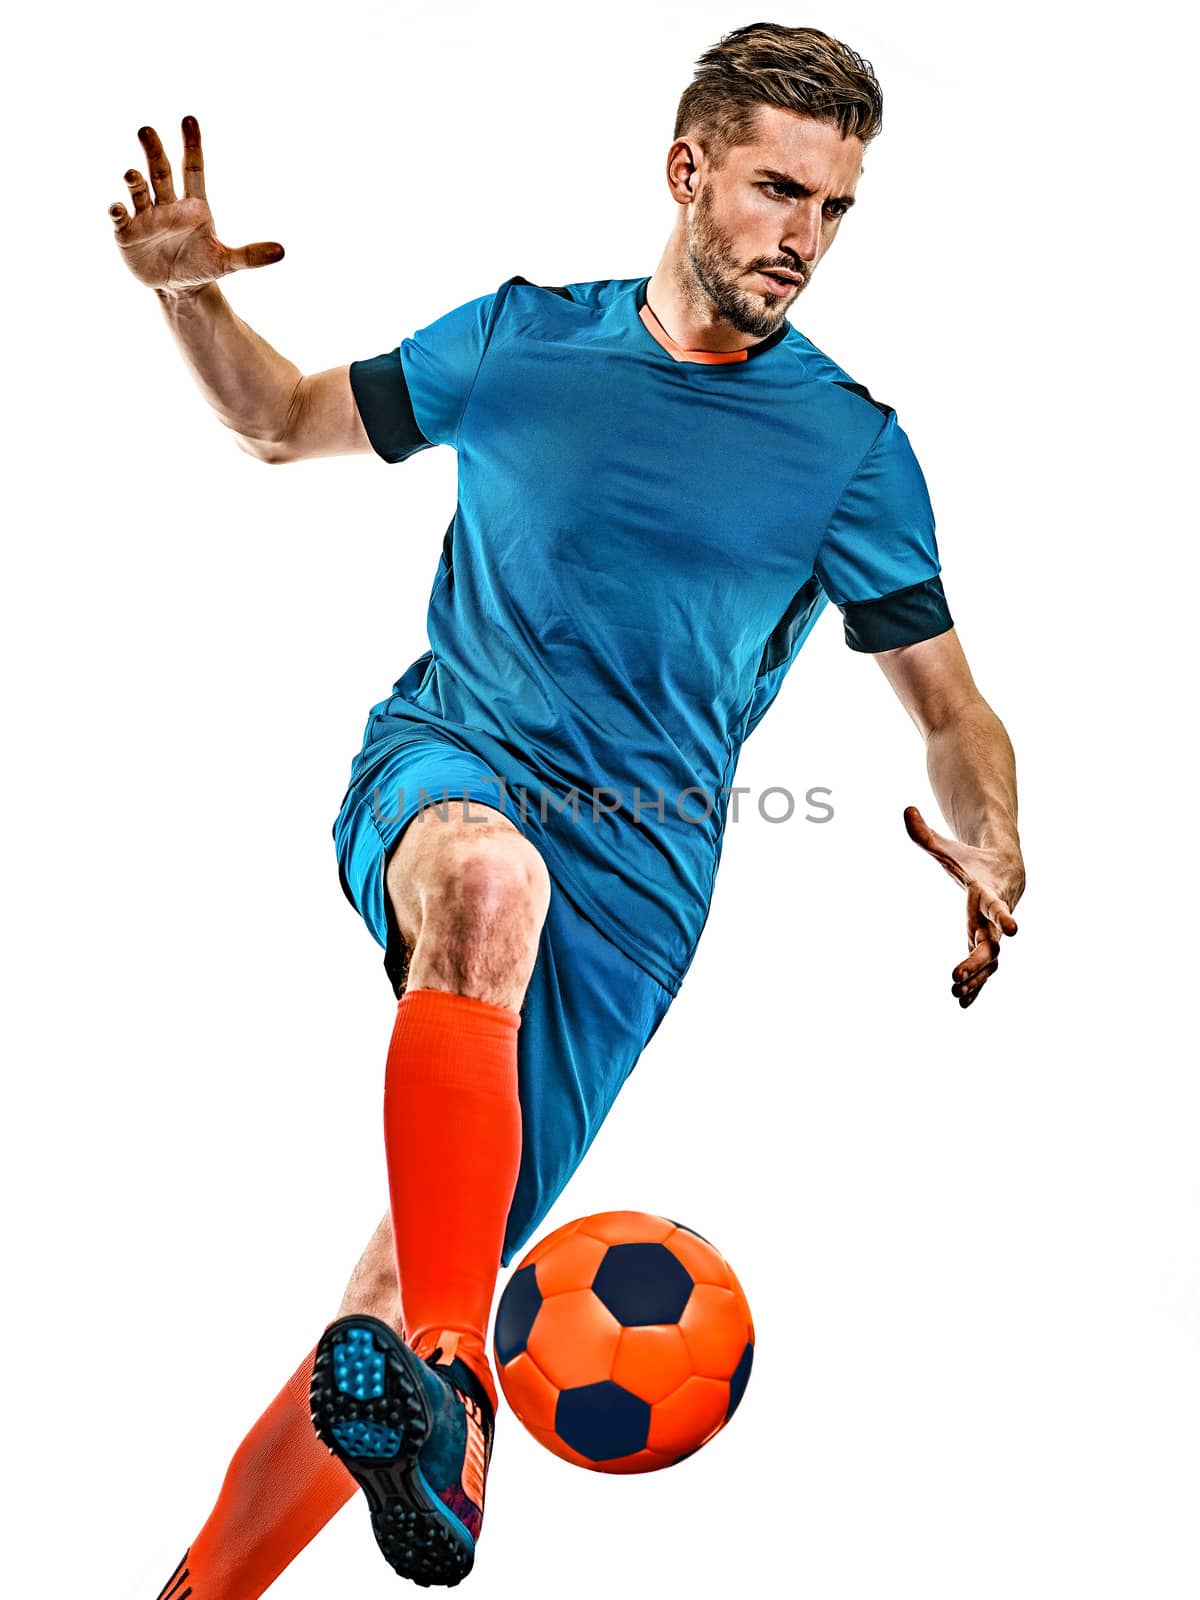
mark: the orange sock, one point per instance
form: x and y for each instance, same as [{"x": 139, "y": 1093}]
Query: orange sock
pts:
[
  {"x": 281, "y": 1488},
  {"x": 452, "y": 1127}
]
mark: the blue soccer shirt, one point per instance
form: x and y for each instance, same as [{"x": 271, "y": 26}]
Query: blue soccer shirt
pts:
[{"x": 640, "y": 547}]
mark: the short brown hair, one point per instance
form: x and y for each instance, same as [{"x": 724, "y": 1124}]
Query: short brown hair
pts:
[{"x": 798, "y": 69}]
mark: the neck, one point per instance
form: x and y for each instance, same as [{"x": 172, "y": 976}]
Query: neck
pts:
[{"x": 684, "y": 311}]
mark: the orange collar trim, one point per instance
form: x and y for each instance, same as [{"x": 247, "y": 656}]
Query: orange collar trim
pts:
[{"x": 709, "y": 358}]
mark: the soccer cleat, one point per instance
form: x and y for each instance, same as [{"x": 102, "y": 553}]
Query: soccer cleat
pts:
[{"x": 415, "y": 1435}]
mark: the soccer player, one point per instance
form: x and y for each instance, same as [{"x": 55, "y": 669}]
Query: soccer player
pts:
[{"x": 661, "y": 484}]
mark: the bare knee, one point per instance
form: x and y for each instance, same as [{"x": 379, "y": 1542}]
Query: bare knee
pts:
[
  {"x": 490, "y": 875},
  {"x": 481, "y": 910}
]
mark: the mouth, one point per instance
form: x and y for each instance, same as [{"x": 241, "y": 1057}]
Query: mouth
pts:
[{"x": 781, "y": 282}]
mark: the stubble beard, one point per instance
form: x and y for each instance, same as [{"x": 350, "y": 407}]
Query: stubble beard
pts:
[{"x": 710, "y": 276}]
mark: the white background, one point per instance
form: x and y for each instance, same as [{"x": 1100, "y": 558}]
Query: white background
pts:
[{"x": 969, "y": 1240}]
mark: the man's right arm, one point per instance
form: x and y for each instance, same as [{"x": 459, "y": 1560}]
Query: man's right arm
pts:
[
  {"x": 169, "y": 243},
  {"x": 276, "y": 412}
]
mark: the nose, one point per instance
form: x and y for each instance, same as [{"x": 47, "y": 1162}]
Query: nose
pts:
[{"x": 802, "y": 235}]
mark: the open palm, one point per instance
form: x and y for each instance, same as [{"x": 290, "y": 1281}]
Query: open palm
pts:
[{"x": 169, "y": 241}]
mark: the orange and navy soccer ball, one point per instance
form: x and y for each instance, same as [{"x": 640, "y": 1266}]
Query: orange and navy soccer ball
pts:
[{"x": 623, "y": 1342}]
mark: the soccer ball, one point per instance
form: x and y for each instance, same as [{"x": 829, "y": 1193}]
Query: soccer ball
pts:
[{"x": 623, "y": 1342}]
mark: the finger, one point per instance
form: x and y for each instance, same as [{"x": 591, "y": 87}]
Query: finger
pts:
[
  {"x": 160, "y": 167},
  {"x": 254, "y": 255},
  {"x": 918, "y": 829},
  {"x": 983, "y": 960},
  {"x": 982, "y": 929},
  {"x": 976, "y": 926},
  {"x": 997, "y": 913},
  {"x": 976, "y": 980},
  {"x": 119, "y": 215},
  {"x": 193, "y": 160},
  {"x": 139, "y": 190},
  {"x": 936, "y": 844},
  {"x": 985, "y": 953}
]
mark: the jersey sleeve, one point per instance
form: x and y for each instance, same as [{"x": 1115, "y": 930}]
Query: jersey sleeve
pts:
[
  {"x": 878, "y": 561},
  {"x": 415, "y": 395}
]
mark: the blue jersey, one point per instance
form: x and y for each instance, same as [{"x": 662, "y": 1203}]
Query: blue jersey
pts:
[{"x": 641, "y": 545}]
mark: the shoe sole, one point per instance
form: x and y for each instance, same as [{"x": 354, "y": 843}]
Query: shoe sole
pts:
[{"x": 370, "y": 1411}]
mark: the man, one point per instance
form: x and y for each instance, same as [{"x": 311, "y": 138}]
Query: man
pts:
[{"x": 661, "y": 485}]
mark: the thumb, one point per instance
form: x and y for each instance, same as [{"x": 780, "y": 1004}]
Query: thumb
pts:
[
  {"x": 918, "y": 829},
  {"x": 254, "y": 255},
  {"x": 935, "y": 844}
]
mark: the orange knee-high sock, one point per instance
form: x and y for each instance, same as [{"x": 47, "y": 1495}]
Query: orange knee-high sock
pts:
[
  {"x": 452, "y": 1127},
  {"x": 281, "y": 1488}
]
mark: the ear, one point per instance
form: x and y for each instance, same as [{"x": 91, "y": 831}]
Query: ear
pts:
[{"x": 684, "y": 161}]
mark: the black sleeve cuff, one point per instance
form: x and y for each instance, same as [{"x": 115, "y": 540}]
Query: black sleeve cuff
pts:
[
  {"x": 904, "y": 617},
  {"x": 383, "y": 401}
]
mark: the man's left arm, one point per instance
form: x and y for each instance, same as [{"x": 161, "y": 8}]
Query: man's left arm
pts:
[{"x": 973, "y": 775}]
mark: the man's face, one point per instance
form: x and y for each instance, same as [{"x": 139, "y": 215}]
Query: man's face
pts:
[{"x": 760, "y": 223}]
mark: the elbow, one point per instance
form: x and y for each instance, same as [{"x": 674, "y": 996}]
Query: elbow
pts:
[
  {"x": 273, "y": 451},
  {"x": 280, "y": 448}
]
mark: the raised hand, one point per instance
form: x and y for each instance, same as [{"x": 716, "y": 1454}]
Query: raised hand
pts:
[
  {"x": 169, "y": 242},
  {"x": 994, "y": 883}
]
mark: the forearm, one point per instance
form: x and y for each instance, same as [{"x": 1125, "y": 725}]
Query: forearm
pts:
[
  {"x": 972, "y": 771},
  {"x": 249, "y": 385}
]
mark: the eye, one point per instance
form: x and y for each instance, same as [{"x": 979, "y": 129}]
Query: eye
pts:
[
  {"x": 836, "y": 209},
  {"x": 777, "y": 191}
]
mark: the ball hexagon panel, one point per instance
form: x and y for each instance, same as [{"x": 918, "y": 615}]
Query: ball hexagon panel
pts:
[
  {"x": 572, "y": 1266},
  {"x": 538, "y": 1396},
  {"x": 575, "y": 1338},
  {"x": 651, "y": 1362},
  {"x": 715, "y": 1330},
  {"x": 518, "y": 1309},
  {"x": 705, "y": 1264},
  {"x": 551, "y": 1242},
  {"x": 602, "y": 1421},
  {"x": 685, "y": 1419},
  {"x": 642, "y": 1284},
  {"x": 627, "y": 1227}
]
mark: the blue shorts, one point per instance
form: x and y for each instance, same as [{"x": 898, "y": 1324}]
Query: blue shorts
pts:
[{"x": 589, "y": 1011}]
